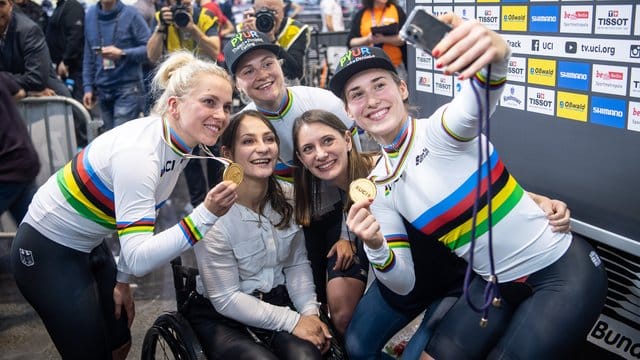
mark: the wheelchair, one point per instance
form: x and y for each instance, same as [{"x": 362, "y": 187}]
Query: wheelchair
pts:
[{"x": 171, "y": 335}]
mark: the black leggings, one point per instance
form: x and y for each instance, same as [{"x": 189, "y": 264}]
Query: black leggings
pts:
[
  {"x": 546, "y": 316},
  {"x": 72, "y": 292},
  {"x": 320, "y": 236},
  {"x": 224, "y": 338}
]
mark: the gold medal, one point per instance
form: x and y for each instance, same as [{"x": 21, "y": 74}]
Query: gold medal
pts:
[
  {"x": 234, "y": 173},
  {"x": 361, "y": 189}
]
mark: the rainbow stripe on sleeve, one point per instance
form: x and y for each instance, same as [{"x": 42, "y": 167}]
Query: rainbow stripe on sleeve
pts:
[
  {"x": 190, "y": 231},
  {"x": 481, "y": 79},
  {"x": 395, "y": 241},
  {"x": 450, "y": 220},
  {"x": 85, "y": 192},
  {"x": 145, "y": 225}
]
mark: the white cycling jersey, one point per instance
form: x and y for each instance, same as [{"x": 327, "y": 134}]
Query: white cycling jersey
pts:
[
  {"x": 429, "y": 178},
  {"x": 116, "y": 184}
]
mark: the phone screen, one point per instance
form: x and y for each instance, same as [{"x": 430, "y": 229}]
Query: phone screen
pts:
[{"x": 423, "y": 30}]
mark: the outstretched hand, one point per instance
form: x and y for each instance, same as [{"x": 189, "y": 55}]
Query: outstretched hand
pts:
[{"x": 468, "y": 47}]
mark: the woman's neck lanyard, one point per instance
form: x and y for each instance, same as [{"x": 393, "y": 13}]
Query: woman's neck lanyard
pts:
[
  {"x": 115, "y": 30},
  {"x": 176, "y": 144},
  {"x": 396, "y": 154},
  {"x": 374, "y": 21}
]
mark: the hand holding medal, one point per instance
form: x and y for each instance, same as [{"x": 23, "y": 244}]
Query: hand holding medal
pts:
[{"x": 361, "y": 189}]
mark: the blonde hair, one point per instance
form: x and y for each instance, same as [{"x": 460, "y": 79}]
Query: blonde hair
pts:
[{"x": 177, "y": 74}]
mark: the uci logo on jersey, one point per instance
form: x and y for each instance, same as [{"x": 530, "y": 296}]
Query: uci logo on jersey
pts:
[{"x": 168, "y": 166}]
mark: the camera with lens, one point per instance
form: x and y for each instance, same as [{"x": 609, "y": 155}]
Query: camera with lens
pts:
[
  {"x": 181, "y": 16},
  {"x": 265, "y": 20}
]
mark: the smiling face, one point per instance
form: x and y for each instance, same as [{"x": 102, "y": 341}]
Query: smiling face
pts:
[
  {"x": 255, "y": 148},
  {"x": 376, "y": 102},
  {"x": 200, "y": 116},
  {"x": 6, "y": 6},
  {"x": 323, "y": 150},
  {"x": 260, "y": 77}
]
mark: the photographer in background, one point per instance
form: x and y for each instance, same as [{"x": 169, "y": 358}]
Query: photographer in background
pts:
[
  {"x": 267, "y": 16},
  {"x": 183, "y": 26},
  {"x": 115, "y": 39}
]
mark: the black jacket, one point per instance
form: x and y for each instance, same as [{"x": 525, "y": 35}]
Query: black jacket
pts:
[
  {"x": 65, "y": 34},
  {"x": 18, "y": 158},
  {"x": 25, "y": 57}
]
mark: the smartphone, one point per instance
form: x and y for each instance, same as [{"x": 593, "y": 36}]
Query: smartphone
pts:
[
  {"x": 423, "y": 30},
  {"x": 97, "y": 49}
]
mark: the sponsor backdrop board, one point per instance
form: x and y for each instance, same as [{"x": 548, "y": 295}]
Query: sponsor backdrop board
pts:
[{"x": 568, "y": 125}]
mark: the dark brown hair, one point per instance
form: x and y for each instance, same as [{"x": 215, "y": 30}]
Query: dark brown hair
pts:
[
  {"x": 307, "y": 186},
  {"x": 275, "y": 194}
]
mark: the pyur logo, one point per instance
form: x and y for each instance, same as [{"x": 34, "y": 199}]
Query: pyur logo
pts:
[{"x": 26, "y": 257}]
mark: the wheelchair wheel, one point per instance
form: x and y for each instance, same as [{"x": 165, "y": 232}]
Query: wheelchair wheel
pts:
[{"x": 171, "y": 337}]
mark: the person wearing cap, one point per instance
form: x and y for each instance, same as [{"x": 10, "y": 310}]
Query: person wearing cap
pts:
[
  {"x": 429, "y": 181},
  {"x": 254, "y": 63}
]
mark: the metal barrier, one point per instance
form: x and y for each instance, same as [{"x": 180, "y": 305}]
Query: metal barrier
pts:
[{"x": 50, "y": 120}]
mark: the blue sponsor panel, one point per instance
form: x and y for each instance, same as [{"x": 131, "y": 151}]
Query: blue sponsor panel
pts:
[
  {"x": 608, "y": 112},
  {"x": 544, "y": 18},
  {"x": 574, "y": 75}
]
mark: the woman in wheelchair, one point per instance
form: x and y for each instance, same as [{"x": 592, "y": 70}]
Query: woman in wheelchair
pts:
[{"x": 253, "y": 262}]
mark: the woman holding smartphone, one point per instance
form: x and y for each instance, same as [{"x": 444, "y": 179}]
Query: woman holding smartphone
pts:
[
  {"x": 325, "y": 152},
  {"x": 428, "y": 177}
]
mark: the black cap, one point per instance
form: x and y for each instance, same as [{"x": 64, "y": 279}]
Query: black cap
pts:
[
  {"x": 355, "y": 60},
  {"x": 244, "y": 42}
]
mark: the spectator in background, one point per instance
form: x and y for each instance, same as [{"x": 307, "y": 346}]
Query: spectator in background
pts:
[
  {"x": 24, "y": 55},
  {"x": 379, "y": 13},
  {"x": 65, "y": 37},
  {"x": 199, "y": 34},
  {"x": 332, "y": 19},
  {"x": 19, "y": 164},
  {"x": 35, "y": 12},
  {"x": 114, "y": 51},
  {"x": 292, "y": 9},
  {"x": 147, "y": 9},
  {"x": 291, "y": 35},
  {"x": 225, "y": 26}
]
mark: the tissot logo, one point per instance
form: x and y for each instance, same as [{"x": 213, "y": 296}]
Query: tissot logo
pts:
[
  {"x": 540, "y": 100},
  {"x": 489, "y": 16},
  {"x": 570, "y": 47},
  {"x": 613, "y": 19}
]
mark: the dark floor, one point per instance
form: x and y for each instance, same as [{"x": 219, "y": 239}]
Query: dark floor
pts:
[{"x": 22, "y": 335}]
